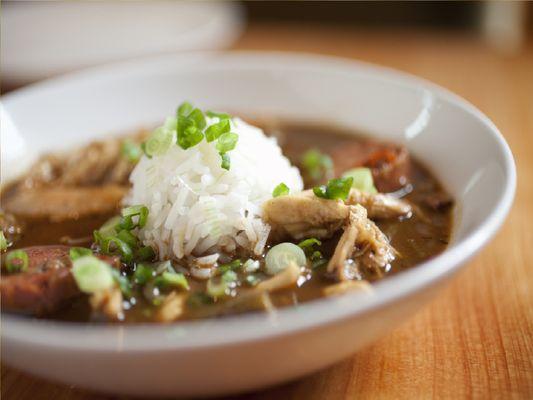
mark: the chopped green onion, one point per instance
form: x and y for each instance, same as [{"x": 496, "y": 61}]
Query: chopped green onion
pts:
[
  {"x": 309, "y": 243},
  {"x": 317, "y": 255},
  {"x": 173, "y": 279},
  {"x": 227, "y": 142},
  {"x": 77, "y": 252},
  {"x": 280, "y": 190},
  {"x": 189, "y": 135},
  {"x": 129, "y": 213},
  {"x": 143, "y": 274},
  {"x": 143, "y": 148},
  {"x": 362, "y": 179},
  {"x": 214, "y": 114},
  {"x": 3, "y": 242},
  {"x": 159, "y": 142},
  {"x": 224, "y": 285},
  {"x": 321, "y": 262},
  {"x": 123, "y": 282},
  {"x": 280, "y": 256},
  {"x": 307, "y": 246},
  {"x": 110, "y": 227},
  {"x": 16, "y": 261},
  {"x": 145, "y": 253},
  {"x": 336, "y": 189},
  {"x": 184, "y": 109},
  {"x": 317, "y": 165},
  {"x": 110, "y": 245},
  {"x": 214, "y": 131},
  {"x": 198, "y": 117},
  {"x": 235, "y": 264},
  {"x": 92, "y": 274},
  {"x": 225, "y": 164},
  {"x": 128, "y": 238},
  {"x": 131, "y": 151}
]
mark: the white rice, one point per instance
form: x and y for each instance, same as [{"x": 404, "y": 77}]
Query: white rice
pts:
[{"x": 199, "y": 209}]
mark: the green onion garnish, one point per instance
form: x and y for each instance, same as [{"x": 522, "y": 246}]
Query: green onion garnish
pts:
[
  {"x": 227, "y": 142},
  {"x": 213, "y": 132},
  {"x": 159, "y": 141},
  {"x": 92, "y": 274},
  {"x": 336, "y": 189},
  {"x": 111, "y": 245},
  {"x": 198, "y": 117},
  {"x": 184, "y": 109},
  {"x": 143, "y": 274},
  {"x": 129, "y": 213},
  {"x": 280, "y": 190},
  {"x": 131, "y": 151},
  {"x": 77, "y": 252},
  {"x": 189, "y": 134},
  {"x": 307, "y": 245},
  {"x": 123, "y": 282},
  {"x": 145, "y": 253},
  {"x": 281, "y": 255},
  {"x": 174, "y": 279},
  {"x": 317, "y": 165},
  {"x": 225, "y": 163},
  {"x": 3, "y": 242},
  {"x": 232, "y": 266},
  {"x": 223, "y": 286},
  {"x": 128, "y": 238},
  {"x": 17, "y": 261},
  {"x": 362, "y": 179}
]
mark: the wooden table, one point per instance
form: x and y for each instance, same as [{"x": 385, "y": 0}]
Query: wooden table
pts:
[{"x": 476, "y": 339}]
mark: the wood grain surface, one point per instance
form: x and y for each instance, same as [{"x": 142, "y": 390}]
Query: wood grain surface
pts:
[{"x": 476, "y": 339}]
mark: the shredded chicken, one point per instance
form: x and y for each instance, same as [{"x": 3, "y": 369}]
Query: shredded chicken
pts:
[
  {"x": 172, "y": 307},
  {"x": 305, "y": 215},
  {"x": 379, "y": 205},
  {"x": 108, "y": 303}
]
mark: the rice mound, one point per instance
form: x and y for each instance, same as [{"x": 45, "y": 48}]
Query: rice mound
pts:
[{"x": 197, "y": 208}]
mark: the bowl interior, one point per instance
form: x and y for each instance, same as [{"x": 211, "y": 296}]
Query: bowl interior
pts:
[{"x": 460, "y": 145}]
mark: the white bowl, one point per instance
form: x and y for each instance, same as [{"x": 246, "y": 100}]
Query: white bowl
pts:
[{"x": 461, "y": 146}]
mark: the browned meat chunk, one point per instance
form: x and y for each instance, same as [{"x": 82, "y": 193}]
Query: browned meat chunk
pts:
[
  {"x": 44, "y": 287},
  {"x": 390, "y": 164},
  {"x": 63, "y": 203}
]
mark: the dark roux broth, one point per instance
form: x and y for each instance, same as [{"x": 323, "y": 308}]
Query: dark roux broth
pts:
[{"x": 416, "y": 239}]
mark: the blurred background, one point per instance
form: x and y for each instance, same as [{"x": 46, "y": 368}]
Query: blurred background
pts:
[{"x": 42, "y": 39}]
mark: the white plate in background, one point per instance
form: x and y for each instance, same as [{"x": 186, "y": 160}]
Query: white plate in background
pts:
[{"x": 42, "y": 39}]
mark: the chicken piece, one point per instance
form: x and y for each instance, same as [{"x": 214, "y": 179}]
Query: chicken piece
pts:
[
  {"x": 61, "y": 203},
  {"x": 172, "y": 307},
  {"x": 304, "y": 215},
  {"x": 108, "y": 303},
  {"x": 379, "y": 205},
  {"x": 360, "y": 233}
]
